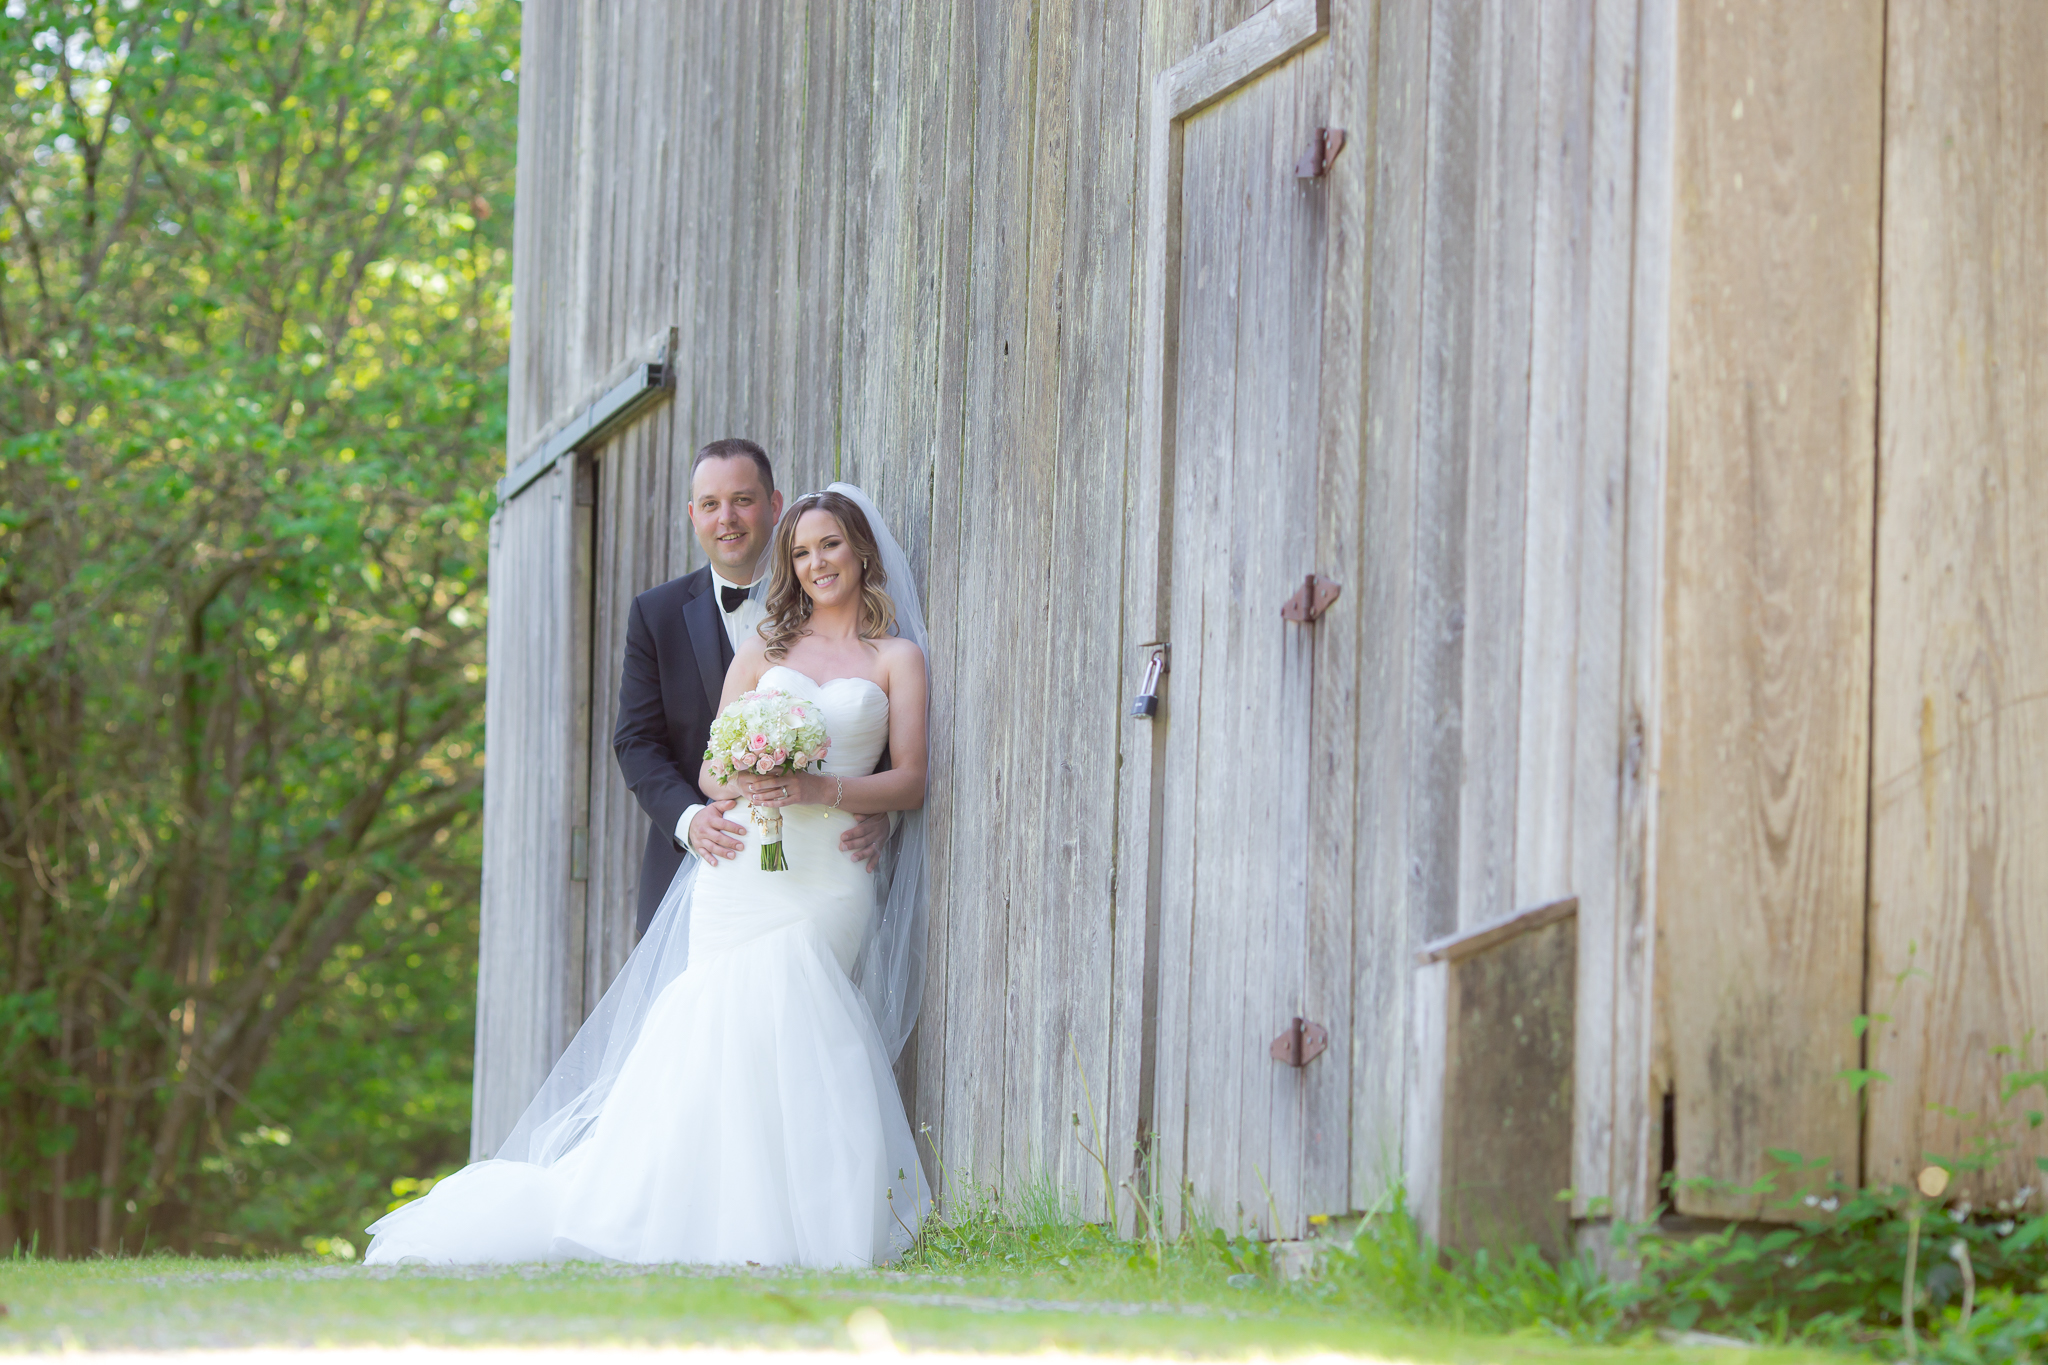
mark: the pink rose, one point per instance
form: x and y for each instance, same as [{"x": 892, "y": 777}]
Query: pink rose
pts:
[
  {"x": 798, "y": 712},
  {"x": 758, "y": 743},
  {"x": 744, "y": 762},
  {"x": 800, "y": 758}
]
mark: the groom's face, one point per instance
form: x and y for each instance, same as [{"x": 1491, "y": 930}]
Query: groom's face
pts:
[{"x": 733, "y": 515}]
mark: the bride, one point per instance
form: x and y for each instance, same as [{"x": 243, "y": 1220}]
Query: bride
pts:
[{"x": 730, "y": 1099}]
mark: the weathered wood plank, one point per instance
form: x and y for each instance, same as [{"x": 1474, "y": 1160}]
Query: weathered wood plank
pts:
[
  {"x": 1435, "y": 729},
  {"x": 1598, "y": 744},
  {"x": 634, "y": 530},
  {"x": 1422, "y": 1149},
  {"x": 1265, "y": 547},
  {"x": 1307, "y": 209},
  {"x": 1345, "y": 260},
  {"x": 1084, "y": 681},
  {"x": 1767, "y": 634},
  {"x": 1640, "y": 1055},
  {"x": 1552, "y": 539},
  {"x": 523, "y": 977},
  {"x": 989, "y": 812},
  {"x": 1567, "y": 807},
  {"x": 1150, "y": 1004},
  {"x": 542, "y": 238},
  {"x": 1387, "y": 908},
  {"x": 1242, "y": 53},
  {"x": 947, "y": 185},
  {"x": 827, "y": 115},
  {"x": 1205, "y": 476},
  {"x": 1959, "y": 801},
  {"x": 573, "y": 930},
  {"x": 1497, "y": 458},
  {"x": 1035, "y": 1129},
  {"x": 1507, "y": 1092}
]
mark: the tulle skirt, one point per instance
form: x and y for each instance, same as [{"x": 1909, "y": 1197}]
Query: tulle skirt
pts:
[{"x": 756, "y": 1118}]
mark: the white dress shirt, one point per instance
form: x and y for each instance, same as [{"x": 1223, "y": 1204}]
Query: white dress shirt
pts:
[{"x": 739, "y": 623}]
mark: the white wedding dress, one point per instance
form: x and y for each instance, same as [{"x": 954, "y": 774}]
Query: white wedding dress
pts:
[{"x": 756, "y": 1117}]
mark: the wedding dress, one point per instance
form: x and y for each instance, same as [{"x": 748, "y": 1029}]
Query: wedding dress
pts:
[{"x": 754, "y": 1116}]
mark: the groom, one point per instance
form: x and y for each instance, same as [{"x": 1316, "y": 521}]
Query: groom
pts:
[{"x": 680, "y": 638}]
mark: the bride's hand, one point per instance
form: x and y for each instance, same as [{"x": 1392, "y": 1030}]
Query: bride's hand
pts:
[{"x": 792, "y": 789}]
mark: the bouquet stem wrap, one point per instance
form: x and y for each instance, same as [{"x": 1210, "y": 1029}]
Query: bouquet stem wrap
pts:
[
  {"x": 769, "y": 733},
  {"x": 770, "y": 824}
]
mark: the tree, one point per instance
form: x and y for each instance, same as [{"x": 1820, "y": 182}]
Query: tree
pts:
[{"x": 253, "y": 304}]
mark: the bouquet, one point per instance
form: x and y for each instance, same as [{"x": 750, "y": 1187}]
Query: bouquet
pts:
[{"x": 770, "y": 733}]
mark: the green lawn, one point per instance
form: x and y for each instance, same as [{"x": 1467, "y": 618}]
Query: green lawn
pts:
[{"x": 173, "y": 1303}]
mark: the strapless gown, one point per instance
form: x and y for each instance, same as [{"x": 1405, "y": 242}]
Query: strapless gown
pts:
[{"x": 756, "y": 1118}]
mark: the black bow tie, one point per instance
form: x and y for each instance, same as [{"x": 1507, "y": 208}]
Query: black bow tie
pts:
[{"x": 730, "y": 597}]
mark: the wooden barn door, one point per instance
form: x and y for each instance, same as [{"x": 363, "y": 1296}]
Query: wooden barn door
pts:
[{"x": 1235, "y": 1122}]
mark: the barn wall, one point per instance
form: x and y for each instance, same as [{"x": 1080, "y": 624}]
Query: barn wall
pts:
[{"x": 902, "y": 245}]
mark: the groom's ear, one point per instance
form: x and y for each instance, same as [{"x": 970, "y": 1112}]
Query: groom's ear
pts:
[{"x": 775, "y": 505}]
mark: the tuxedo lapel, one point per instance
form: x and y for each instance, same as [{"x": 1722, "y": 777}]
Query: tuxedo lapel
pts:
[{"x": 708, "y": 643}]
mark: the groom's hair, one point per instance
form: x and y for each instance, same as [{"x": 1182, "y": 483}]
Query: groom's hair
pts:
[{"x": 737, "y": 448}]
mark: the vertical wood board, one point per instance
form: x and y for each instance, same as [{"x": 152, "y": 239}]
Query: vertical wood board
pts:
[
  {"x": 1767, "y": 598},
  {"x": 1959, "y": 797}
]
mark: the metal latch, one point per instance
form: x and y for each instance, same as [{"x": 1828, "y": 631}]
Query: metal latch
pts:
[
  {"x": 1311, "y": 599},
  {"x": 1301, "y": 1044},
  {"x": 1145, "y": 705}
]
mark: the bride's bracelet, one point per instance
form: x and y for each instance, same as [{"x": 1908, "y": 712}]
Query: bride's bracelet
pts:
[{"x": 841, "y": 792}]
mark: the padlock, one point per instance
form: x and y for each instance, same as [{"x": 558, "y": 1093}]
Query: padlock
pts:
[{"x": 1145, "y": 705}]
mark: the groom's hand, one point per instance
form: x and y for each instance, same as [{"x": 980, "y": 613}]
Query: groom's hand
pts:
[
  {"x": 713, "y": 836},
  {"x": 863, "y": 843}
]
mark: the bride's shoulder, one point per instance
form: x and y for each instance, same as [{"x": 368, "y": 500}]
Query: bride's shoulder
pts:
[
  {"x": 899, "y": 657},
  {"x": 750, "y": 660}
]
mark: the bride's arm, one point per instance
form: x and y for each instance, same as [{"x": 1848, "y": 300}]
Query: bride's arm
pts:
[
  {"x": 744, "y": 675},
  {"x": 901, "y": 787}
]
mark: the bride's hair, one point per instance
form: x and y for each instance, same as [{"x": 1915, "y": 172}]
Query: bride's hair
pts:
[{"x": 789, "y": 606}]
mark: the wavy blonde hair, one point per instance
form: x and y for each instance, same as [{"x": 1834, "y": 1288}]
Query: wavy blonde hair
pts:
[{"x": 789, "y": 606}]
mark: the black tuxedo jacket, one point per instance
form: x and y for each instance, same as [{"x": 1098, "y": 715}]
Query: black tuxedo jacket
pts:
[{"x": 676, "y": 656}]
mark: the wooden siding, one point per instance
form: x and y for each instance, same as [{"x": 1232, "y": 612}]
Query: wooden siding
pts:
[
  {"x": 1959, "y": 795},
  {"x": 1628, "y": 614},
  {"x": 1493, "y": 772},
  {"x": 902, "y": 245},
  {"x": 1767, "y": 632},
  {"x": 529, "y": 979}
]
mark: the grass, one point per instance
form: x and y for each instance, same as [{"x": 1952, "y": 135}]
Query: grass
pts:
[
  {"x": 1029, "y": 1276},
  {"x": 1086, "y": 1305}
]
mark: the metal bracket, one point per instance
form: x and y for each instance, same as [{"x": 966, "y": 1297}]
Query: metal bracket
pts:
[
  {"x": 1322, "y": 150},
  {"x": 1311, "y": 599},
  {"x": 1301, "y": 1044},
  {"x": 630, "y": 392}
]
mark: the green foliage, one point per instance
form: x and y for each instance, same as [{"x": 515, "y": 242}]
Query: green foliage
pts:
[
  {"x": 373, "y": 1078},
  {"x": 253, "y": 319}
]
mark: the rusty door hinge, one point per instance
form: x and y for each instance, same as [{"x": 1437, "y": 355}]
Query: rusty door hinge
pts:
[
  {"x": 1322, "y": 150},
  {"x": 1301, "y": 1044},
  {"x": 1311, "y": 599}
]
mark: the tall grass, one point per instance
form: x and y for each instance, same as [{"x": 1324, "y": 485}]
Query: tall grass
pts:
[{"x": 1834, "y": 1280}]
